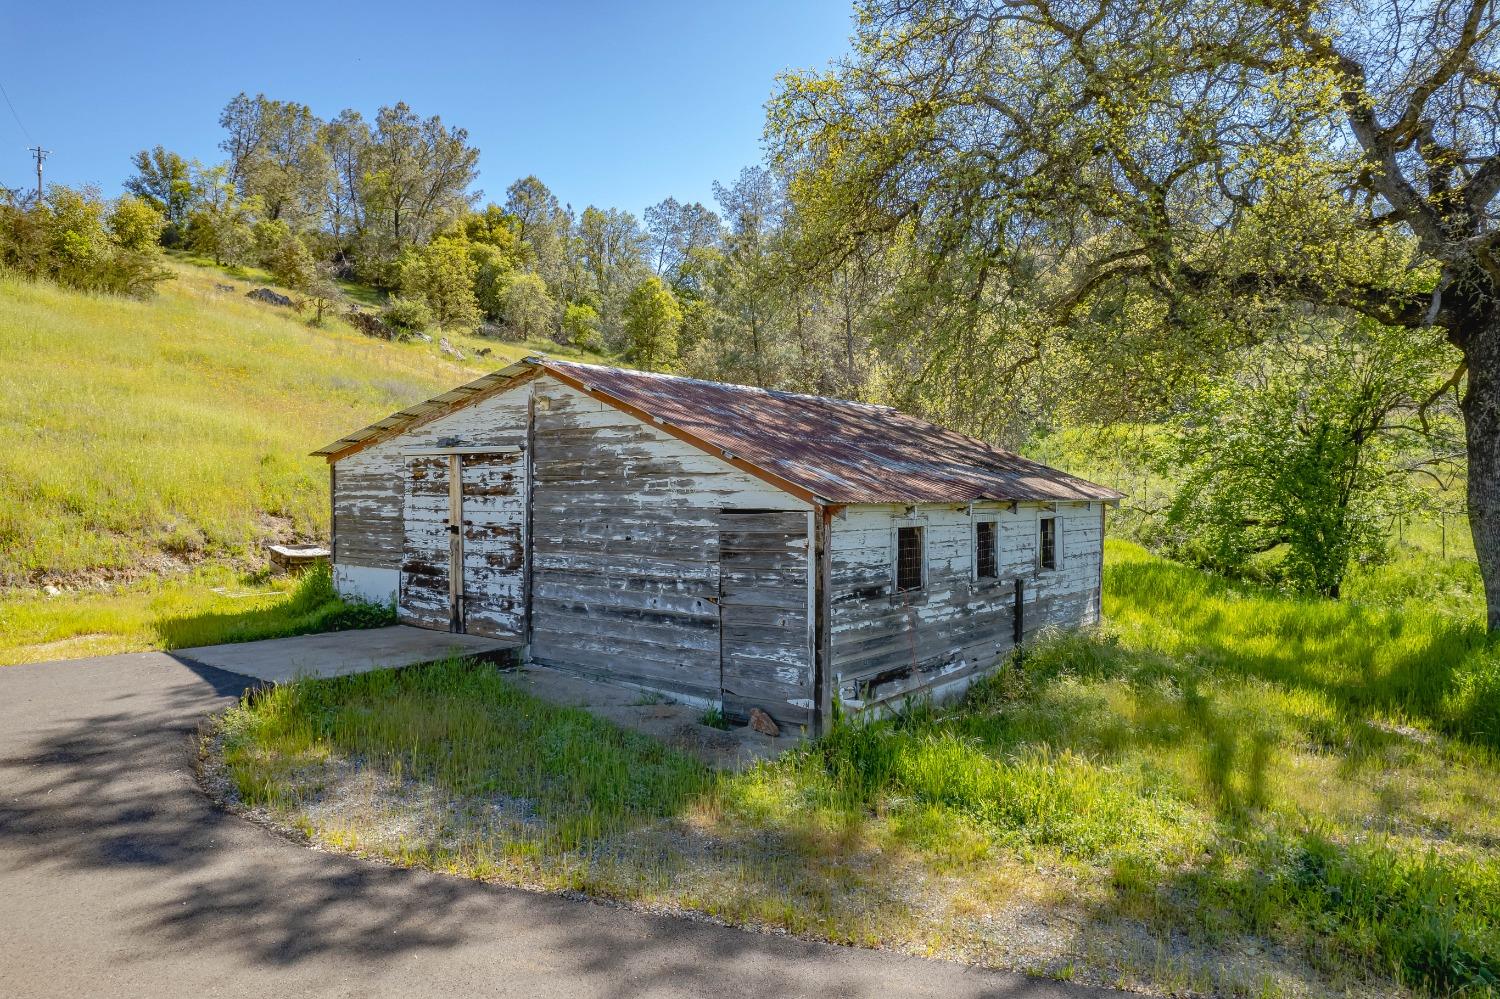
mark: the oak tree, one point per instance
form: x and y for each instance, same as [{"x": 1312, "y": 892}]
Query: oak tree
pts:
[{"x": 1156, "y": 182}]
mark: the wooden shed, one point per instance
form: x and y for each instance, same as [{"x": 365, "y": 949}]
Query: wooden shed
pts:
[{"x": 727, "y": 545}]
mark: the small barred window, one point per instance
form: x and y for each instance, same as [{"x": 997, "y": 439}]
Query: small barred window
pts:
[{"x": 908, "y": 559}]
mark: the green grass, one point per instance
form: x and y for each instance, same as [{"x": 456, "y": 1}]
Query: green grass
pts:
[
  {"x": 1224, "y": 789},
  {"x": 149, "y": 448},
  {"x": 459, "y": 725},
  {"x": 208, "y": 606},
  {"x": 139, "y": 435}
]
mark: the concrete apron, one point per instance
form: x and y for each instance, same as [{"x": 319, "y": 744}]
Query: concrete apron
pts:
[{"x": 338, "y": 653}]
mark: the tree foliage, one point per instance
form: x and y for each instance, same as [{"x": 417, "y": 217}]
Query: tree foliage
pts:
[
  {"x": 529, "y": 309},
  {"x": 652, "y": 321},
  {"x": 580, "y": 327},
  {"x": 165, "y": 181},
  {"x": 1155, "y": 187},
  {"x": 76, "y": 238},
  {"x": 442, "y": 274},
  {"x": 1305, "y": 450},
  {"x": 222, "y": 223}
]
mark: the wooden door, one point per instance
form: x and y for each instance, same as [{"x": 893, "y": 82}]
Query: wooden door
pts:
[
  {"x": 765, "y": 627},
  {"x": 428, "y": 590},
  {"x": 493, "y": 511}
]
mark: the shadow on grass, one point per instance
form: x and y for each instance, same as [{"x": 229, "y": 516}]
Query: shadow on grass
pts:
[
  {"x": 1363, "y": 659},
  {"x": 313, "y": 606}
]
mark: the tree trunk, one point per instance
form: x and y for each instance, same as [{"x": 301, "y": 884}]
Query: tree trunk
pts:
[{"x": 1481, "y": 409}]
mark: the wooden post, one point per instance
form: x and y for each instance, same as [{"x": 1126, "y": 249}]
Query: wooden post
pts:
[
  {"x": 823, "y": 663},
  {"x": 527, "y": 570},
  {"x": 455, "y": 544},
  {"x": 1019, "y": 624},
  {"x": 333, "y": 507}
]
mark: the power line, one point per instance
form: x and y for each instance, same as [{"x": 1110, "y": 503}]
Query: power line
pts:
[{"x": 13, "y": 113}]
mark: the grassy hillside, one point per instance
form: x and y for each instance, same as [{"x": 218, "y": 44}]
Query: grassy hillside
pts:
[
  {"x": 137, "y": 434},
  {"x": 171, "y": 436}
]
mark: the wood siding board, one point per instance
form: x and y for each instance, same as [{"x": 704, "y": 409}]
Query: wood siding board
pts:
[
  {"x": 625, "y": 545},
  {"x": 766, "y": 628},
  {"x": 423, "y": 417},
  {"x": 884, "y": 647},
  {"x": 769, "y": 477}
]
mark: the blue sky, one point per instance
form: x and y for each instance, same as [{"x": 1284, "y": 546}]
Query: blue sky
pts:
[{"x": 617, "y": 105}]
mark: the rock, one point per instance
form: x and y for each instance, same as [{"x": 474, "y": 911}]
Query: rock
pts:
[
  {"x": 421, "y": 336},
  {"x": 370, "y": 325},
  {"x": 762, "y": 723},
  {"x": 269, "y": 297},
  {"x": 448, "y": 348},
  {"x": 52, "y": 591},
  {"x": 484, "y": 352},
  {"x": 223, "y": 287}
]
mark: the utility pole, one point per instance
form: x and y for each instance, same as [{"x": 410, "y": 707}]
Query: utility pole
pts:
[{"x": 41, "y": 154}]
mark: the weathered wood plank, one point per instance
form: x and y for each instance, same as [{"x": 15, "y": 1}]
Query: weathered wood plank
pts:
[{"x": 902, "y": 644}]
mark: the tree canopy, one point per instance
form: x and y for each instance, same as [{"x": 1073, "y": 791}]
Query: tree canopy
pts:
[{"x": 1130, "y": 194}]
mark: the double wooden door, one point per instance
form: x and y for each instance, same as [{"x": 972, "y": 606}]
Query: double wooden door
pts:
[{"x": 464, "y": 558}]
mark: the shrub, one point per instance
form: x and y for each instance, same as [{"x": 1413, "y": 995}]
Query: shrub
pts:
[
  {"x": 443, "y": 275},
  {"x": 291, "y": 264},
  {"x": 407, "y": 315},
  {"x": 134, "y": 225},
  {"x": 76, "y": 238}
]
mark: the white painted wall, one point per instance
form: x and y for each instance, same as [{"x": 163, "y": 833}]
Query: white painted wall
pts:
[{"x": 363, "y": 583}]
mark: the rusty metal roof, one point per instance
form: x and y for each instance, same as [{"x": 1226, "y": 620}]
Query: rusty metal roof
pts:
[
  {"x": 837, "y": 450},
  {"x": 841, "y": 451}
]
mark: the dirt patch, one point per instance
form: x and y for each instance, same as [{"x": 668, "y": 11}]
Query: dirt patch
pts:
[{"x": 677, "y": 724}]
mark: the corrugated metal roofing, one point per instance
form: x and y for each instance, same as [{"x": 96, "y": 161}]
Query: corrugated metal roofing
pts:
[{"x": 840, "y": 451}]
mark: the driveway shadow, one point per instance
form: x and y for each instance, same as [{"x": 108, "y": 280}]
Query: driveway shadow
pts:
[{"x": 101, "y": 813}]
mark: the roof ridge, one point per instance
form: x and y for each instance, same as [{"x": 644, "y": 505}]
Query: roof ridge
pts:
[{"x": 545, "y": 361}]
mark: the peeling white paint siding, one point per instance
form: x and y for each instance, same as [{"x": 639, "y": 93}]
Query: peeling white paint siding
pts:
[
  {"x": 369, "y": 485},
  {"x": 627, "y": 576},
  {"x": 626, "y": 523},
  {"x": 362, "y": 583},
  {"x": 889, "y": 645}
]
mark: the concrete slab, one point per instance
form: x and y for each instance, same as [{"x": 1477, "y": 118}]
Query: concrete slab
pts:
[{"x": 337, "y": 653}]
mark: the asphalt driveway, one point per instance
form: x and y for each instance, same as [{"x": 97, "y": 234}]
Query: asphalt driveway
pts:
[{"x": 119, "y": 878}]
